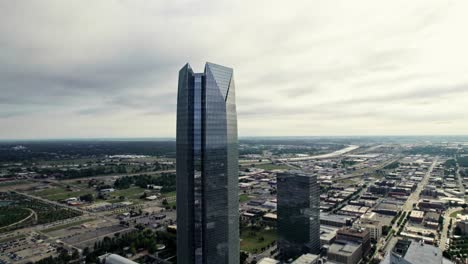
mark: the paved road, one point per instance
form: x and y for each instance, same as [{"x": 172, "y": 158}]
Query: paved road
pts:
[
  {"x": 460, "y": 181},
  {"x": 414, "y": 197},
  {"x": 443, "y": 235},
  {"x": 52, "y": 202},
  {"x": 408, "y": 206},
  {"x": 259, "y": 256},
  {"x": 371, "y": 169}
]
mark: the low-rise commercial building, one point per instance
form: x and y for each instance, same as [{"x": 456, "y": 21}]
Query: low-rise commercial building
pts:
[
  {"x": 335, "y": 220},
  {"x": 368, "y": 222},
  {"x": 345, "y": 252},
  {"x": 416, "y": 216},
  {"x": 357, "y": 235},
  {"x": 307, "y": 259},
  {"x": 412, "y": 252},
  {"x": 115, "y": 259},
  {"x": 327, "y": 234}
]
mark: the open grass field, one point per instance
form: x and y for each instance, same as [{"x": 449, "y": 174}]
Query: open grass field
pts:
[
  {"x": 169, "y": 194},
  {"x": 132, "y": 193},
  {"x": 253, "y": 241},
  {"x": 60, "y": 193},
  {"x": 244, "y": 198},
  {"x": 454, "y": 214},
  {"x": 12, "y": 183},
  {"x": 43, "y": 212}
]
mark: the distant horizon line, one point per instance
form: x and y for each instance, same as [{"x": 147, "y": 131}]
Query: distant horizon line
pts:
[{"x": 240, "y": 138}]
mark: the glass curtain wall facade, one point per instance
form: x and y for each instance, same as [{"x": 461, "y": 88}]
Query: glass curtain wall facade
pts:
[
  {"x": 207, "y": 167},
  {"x": 298, "y": 210}
]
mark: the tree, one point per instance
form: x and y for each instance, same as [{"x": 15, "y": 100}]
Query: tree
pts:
[
  {"x": 243, "y": 257},
  {"x": 75, "y": 254},
  {"x": 133, "y": 249},
  {"x": 87, "y": 198}
]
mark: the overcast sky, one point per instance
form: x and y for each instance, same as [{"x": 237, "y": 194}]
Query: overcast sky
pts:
[{"x": 302, "y": 68}]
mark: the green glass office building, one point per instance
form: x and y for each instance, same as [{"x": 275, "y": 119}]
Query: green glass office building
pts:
[{"x": 298, "y": 214}]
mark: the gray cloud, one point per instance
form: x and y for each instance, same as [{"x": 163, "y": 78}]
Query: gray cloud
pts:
[{"x": 318, "y": 67}]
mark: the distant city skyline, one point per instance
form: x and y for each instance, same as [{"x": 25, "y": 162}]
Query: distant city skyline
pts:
[{"x": 312, "y": 68}]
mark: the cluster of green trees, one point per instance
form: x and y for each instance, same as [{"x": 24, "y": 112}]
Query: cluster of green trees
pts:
[
  {"x": 136, "y": 240},
  {"x": 63, "y": 258},
  {"x": 83, "y": 172},
  {"x": 395, "y": 217},
  {"x": 87, "y": 198},
  {"x": 458, "y": 248},
  {"x": 441, "y": 222},
  {"x": 46, "y": 213},
  {"x": 62, "y": 150},
  {"x": 346, "y": 163},
  {"x": 12, "y": 214},
  {"x": 432, "y": 150},
  {"x": 463, "y": 161},
  {"x": 451, "y": 163},
  {"x": 166, "y": 180},
  {"x": 401, "y": 219},
  {"x": 53, "y": 213},
  {"x": 90, "y": 171},
  {"x": 405, "y": 219},
  {"x": 386, "y": 229}
]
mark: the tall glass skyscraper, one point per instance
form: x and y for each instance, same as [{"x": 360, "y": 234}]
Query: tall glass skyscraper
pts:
[
  {"x": 207, "y": 167},
  {"x": 298, "y": 214}
]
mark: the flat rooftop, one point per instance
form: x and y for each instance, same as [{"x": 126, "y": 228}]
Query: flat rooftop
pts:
[
  {"x": 344, "y": 248},
  {"x": 306, "y": 259},
  {"x": 414, "y": 252}
]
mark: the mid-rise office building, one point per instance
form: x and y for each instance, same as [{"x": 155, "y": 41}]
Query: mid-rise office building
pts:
[
  {"x": 207, "y": 167},
  {"x": 298, "y": 214},
  {"x": 345, "y": 252},
  {"x": 356, "y": 235},
  {"x": 368, "y": 222}
]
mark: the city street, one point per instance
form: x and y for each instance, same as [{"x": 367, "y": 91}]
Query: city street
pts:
[{"x": 408, "y": 206}]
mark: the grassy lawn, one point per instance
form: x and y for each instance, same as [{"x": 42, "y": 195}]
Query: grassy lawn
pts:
[
  {"x": 169, "y": 194},
  {"x": 273, "y": 166},
  {"x": 49, "y": 191},
  {"x": 251, "y": 240},
  {"x": 59, "y": 193},
  {"x": 172, "y": 203},
  {"x": 244, "y": 198},
  {"x": 132, "y": 193},
  {"x": 63, "y": 196},
  {"x": 348, "y": 181},
  {"x": 11, "y": 183},
  {"x": 454, "y": 214}
]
